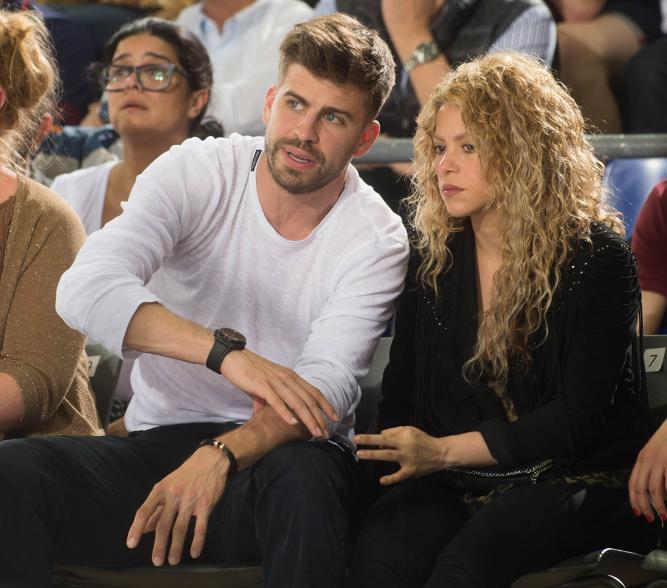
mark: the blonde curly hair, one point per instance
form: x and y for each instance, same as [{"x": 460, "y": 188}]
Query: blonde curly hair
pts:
[
  {"x": 29, "y": 77},
  {"x": 543, "y": 179}
]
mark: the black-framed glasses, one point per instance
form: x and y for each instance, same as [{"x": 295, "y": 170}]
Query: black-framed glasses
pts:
[{"x": 151, "y": 77}]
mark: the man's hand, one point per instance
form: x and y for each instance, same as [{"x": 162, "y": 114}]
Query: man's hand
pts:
[
  {"x": 191, "y": 490},
  {"x": 154, "y": 329},
  {"x": 417, "y": 453},
  {"x": 649, "y": 477},
  {"x": 279, "y": 387}
]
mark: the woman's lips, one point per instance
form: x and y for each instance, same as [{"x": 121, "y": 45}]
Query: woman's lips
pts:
[{"x": 448, "y": 190}]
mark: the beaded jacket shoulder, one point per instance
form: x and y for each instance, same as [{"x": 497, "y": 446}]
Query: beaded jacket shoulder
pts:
[{"x": 591, "y": 258}]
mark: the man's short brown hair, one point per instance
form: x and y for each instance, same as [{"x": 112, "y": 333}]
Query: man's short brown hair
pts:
[{"x": 339, "y": 48}]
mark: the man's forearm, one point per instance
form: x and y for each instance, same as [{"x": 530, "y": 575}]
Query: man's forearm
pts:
[
  {"x": 262, "y": 433},
  {"x": 154, "y": 329}
]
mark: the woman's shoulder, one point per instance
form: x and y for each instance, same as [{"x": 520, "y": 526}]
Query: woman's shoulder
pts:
[
  {"x": 603, "y": 249},
  {"x": 38, "y": 204},
  {"x": 603, "y": 269},
  {"x": 80, "y": 184}
]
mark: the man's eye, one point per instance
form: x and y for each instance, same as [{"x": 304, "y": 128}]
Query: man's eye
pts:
[
  {"x": 330, "y": 117},
  {"x": 292, "y": 103}
]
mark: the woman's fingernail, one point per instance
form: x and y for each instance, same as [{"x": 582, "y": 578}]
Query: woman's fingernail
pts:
[
  {"x": 648, "y": 518},
  {"x": 635, "y": 511},
  {"x": 663, "y": 516}
]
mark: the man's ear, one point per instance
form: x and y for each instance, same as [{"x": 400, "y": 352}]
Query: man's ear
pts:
[
  {"x": 198, "y": 102},
  {"x": 367, "y": 138},
  {"x": 268, "y": 103}
]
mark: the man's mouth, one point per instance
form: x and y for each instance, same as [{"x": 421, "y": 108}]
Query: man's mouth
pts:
[{"x": 302, "y": 159}]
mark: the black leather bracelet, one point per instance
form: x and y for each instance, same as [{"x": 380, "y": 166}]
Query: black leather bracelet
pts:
[{"x": 233, "y": 464}]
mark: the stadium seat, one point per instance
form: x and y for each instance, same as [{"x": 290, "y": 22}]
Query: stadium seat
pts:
[
  {"x": 630, "y": 182},
  {"x": 103, "y": 371}
]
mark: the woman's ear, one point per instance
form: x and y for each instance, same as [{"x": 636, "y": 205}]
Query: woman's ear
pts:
[
  {"x": 3, "y": 97},
  {"x": 198, "y": 102}
]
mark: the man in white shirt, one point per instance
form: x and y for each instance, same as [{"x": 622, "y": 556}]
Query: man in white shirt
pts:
[
  {"x": 275, "y": 238},
  {"x": 242, "y": 38}
]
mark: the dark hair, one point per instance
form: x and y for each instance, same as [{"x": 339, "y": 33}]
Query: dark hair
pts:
[
  {"x": 192, "y": 56},
  {"x": 339, "y": 48}
]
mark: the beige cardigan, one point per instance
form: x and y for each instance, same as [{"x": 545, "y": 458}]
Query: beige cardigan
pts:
[{"x": 37, "y": 349}]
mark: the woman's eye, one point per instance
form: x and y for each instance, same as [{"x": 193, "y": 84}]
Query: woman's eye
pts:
[
  {"x": 157, "y": 73},
  {"x": 439, "y": 149},
  {"x": 469, "y": 148}
]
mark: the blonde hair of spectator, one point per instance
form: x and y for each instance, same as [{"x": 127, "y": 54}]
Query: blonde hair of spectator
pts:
[
  {"x": 542, "y": 177},
  {"x": 339, "y": 48},
  {"x": 29, "y": 78}
]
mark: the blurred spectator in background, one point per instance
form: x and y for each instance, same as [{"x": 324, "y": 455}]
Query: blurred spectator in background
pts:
[
  {"x": 646, "y": 85},
  {"x": 428, "y": 37},
  {"x": 649, "y": 243},
  {"x": 242, "y": 38},
  {"x": 596, "y": 39},
  {"x": 79, "y": 33},
  {"x": 151, "y": 108},
  {"x": 44, "y": 386}
]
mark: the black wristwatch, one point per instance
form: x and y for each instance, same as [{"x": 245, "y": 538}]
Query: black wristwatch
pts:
[{"x": 226, "y": 340}]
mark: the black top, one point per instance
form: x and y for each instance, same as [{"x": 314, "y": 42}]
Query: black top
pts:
[{"x": 581, "y": 397}]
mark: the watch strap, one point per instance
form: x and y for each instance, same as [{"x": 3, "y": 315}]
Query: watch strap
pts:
[
  {"x": 233, "y": 464},
  {"x": 216, "y": 355}
]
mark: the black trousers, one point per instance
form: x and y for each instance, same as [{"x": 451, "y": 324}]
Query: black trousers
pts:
[
  {"x": 72, "y": 500},
  {"x": 646, "y": 89},
  {"x": 421, "y": 534}
]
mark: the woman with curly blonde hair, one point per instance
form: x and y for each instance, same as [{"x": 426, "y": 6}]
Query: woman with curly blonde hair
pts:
[{"x": 514, "y": 369}]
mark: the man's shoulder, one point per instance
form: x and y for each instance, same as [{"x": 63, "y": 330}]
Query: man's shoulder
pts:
[
  {"x": 368, "y": 211},
  {"x": 284, "y": 9},
  {"x": 190, "y": 17},
  {"x": 222, "y": 152}
]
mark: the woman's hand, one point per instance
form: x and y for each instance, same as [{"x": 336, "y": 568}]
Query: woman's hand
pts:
[
  {"x": 417, "y": 453},
  {"x": 648, "y": 481}
]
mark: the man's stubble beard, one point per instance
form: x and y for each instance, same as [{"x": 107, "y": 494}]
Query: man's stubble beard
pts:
[{"x": 305, "y": 182}]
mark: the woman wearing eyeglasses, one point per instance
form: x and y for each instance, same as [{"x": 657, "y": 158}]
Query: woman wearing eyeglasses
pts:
[
  {"x": 157, "y": 78},
  {"x": 43, "y": 383}
]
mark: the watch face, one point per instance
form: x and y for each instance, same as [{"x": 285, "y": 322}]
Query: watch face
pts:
[{"x": 234, "y": 337}]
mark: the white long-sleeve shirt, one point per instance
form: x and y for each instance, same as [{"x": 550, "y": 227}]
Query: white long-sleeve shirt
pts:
[
  {"x": 194, "y": 228},
  {"x": 244, "y": 56}
]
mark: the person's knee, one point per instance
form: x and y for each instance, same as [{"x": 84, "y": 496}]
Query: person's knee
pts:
[
  {"x": 19, "y": 461},
  {"x": 307, "y": 473},
  {"x": 577, "y": 62}
]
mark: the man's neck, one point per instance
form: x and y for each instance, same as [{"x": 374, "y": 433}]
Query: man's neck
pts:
[
  {"x": 295, "y": 216},
  {"x": 219, "y": 11}
]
